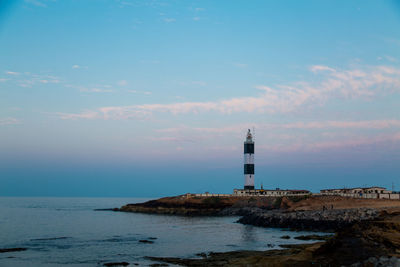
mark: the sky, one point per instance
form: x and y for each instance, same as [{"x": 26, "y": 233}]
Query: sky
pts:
[{"x": 126, "y": 98}]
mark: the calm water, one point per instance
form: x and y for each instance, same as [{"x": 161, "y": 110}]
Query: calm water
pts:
[{"x": 67, "y": 231}]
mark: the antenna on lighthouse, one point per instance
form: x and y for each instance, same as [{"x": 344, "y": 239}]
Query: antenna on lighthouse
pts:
[{"x": 254, "y": 133}]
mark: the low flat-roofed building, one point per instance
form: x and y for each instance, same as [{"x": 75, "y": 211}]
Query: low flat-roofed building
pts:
[
  {"x": 269, "y": 192},
  {"x": 357, "y": 190}
]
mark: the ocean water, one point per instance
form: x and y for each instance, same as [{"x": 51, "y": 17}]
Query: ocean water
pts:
[{"x": 68, "y": 231}]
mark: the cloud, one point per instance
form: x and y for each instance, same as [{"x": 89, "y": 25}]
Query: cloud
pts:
[
  {"x": 36, "y": 3},
  {"x": 9, "y": 121},
  {"x": 388, "y": 58},
  {"x": 95, "y": 90},
  {"x": 84, "y": 115},
  {"x": 267, "y": 127},
  {"x": 12, "y": 73},
  {"x": 196, "y": 18},
  {"x": 139, "y": 92},
  {"x": 292, "y": 141},
  {"x": 29, "y": 79},
  {"x": 79, "y": 67},
  {"x": 169, "y": 20},
  {"x": 122, "y": 83},
  {"x": 336, "y": 84},
  {"x": 240, "y": 65},
  {"x": 317, "y": 68},
  {"x": 2, "y": 80}
]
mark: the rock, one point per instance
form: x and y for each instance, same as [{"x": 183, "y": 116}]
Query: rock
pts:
[
  {"x": 4, "y": 250},
  {"x": 122, "y": 263},
  {"x": 316, "y": 220},
  {"x": 158, "y": 264},
  {"x": 285, "y": 237},
  {"x": 313, "y": 237},
  {"x": 146, "y": 241},
  {"x": 152, "y": 238}
]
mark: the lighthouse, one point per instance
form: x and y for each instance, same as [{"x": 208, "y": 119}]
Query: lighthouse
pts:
[{"x": 249, "y": 162}]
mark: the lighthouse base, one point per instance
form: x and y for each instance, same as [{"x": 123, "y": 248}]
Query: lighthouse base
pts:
[{"x": 249, "y": 187}]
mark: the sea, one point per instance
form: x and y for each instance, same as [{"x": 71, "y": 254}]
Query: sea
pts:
[{"x": 71, "y": 232}]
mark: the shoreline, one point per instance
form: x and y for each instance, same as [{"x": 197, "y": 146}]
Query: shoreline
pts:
[
  {"x": 366, "y": 231},
  {"x": 364, "y": 243}
]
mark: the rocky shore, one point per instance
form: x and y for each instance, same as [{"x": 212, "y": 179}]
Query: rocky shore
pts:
[
  {"x": 372, "y": 242},
  {"x": 367, "y": 230},
  {"x": 315, "y": 220}
]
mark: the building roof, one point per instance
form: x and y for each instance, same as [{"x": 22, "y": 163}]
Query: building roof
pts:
[{"x": 351, "y": 188}]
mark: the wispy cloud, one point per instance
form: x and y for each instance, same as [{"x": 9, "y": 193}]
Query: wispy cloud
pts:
[
  {"x": 388, "y": 58},
  {"x": 2, "y": 80},
  {"x": 12, "y": 73},
  {"x": 240, "y": 65},
  {"x": 29, "y": 80},
  {"x": 84, "y": 115},
  {"x": 317, "y": 68},
  {"x": 122, "y": 83},
  {"x": 91, "y": 89},
  {"x": 139, "y": 92},
  {"x": 9, "y": 121},
  {"x": 36, "y": 3},
  {"x": 95, "y": 90},
  {"x": 355, "y": 83},
  {"x": 290, "y": 141},
  {"x": 169, "y": 20},
  {"x": 268, "y": 127},
  {"x": 79, "y": 67}
]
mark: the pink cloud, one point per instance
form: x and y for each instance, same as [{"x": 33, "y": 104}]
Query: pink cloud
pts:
[
  {"x": 8, "y": 121},
  {"x": 355, "y": 83}
]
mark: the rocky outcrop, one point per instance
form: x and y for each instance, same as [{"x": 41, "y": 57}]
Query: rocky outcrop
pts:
[
  {"x": 326, "y": 220},
  {"x": 200, "y": 206}
]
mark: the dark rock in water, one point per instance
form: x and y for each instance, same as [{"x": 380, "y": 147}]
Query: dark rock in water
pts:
[
  {"x": 285, "y": 237},
  {"x": 313, "y": 237},
  {"x": 152, "y": 238},
  {"x": 203, "y": 255},
  {"x": 4, "y": 250},
  {"x": 146, "y": 241},
  {"x": 122, "y": 263},
  {"x": 270, "y": 245},
  {"x": 158, "y": 264}
]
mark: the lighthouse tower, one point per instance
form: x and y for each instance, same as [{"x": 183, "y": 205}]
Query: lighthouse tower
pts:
[{"x": 249, "y": 162}]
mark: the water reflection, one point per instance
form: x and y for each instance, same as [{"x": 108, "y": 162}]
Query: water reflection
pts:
[{"x": 248, "y": 234}]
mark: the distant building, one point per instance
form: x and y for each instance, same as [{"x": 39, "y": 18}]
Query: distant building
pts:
[
  {"x": 269, "y": 192},
  {"x": 357, "y": 190},
  {"x": 362, "y": 192}
]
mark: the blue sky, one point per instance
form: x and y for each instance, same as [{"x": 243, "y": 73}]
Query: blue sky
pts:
[{"x": 152, "y": 98}]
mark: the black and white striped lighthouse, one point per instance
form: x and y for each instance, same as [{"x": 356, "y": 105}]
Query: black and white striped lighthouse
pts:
[{"x": 249, "y": 162}]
